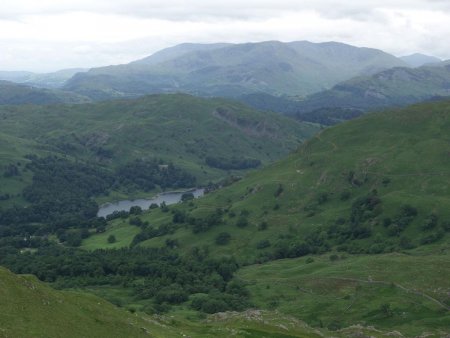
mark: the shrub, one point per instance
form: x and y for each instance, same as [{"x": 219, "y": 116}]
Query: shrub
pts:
[
  {"x": 430, "y": 223},
  {"x": 223, "y": 238},
  {"x": 345, "y": 195},
  {"x": 265, "y": 243},
  {"x": 262, "y": 226},
  {"x": 322, "y": 198},
  {"x": 242, "y": 222}
]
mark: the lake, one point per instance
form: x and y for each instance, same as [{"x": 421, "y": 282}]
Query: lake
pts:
[{"x": 125, "y": 205}]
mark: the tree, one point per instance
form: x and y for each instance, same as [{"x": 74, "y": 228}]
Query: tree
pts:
[
  {"x": 223, "y": 238},
  {"x": 111, "y": 239}
]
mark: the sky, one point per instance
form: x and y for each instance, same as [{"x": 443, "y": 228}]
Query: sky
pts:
[{"x": 48, "y": 35}]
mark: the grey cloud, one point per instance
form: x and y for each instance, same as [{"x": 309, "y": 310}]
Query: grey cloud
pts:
[{"x": 201, "y": 9}]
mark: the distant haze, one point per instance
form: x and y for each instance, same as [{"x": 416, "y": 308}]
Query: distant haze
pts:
[{"x": 47, "y": 35}]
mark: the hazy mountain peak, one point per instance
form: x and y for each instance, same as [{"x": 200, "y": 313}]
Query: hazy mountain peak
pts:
[{"x": 418, "y": 59}]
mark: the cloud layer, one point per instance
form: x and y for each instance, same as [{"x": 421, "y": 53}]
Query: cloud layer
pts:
[{"x": 52, "y": 34}]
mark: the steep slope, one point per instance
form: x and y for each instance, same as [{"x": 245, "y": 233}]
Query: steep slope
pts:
[
  {"x": 32, "y": 309},
  {"x": 297, "y": 68},
  {"x": 17, "y": 94}
]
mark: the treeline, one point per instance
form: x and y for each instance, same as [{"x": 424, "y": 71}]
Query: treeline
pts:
[
  {"x": 160, "y": 275},
  {"x": 147, "y": 174},
  {"x": 232, "y": 163}
]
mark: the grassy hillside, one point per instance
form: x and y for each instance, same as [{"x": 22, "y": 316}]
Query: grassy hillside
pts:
[
  {"x": 384, "y": 290},
  {"x": 190, "y": 132},
  {"x": 296, "y": 68},
  {"x": 368, "y": 199},
  {"x": 394, "y": 159},
  {"x": 351, "y": 229},
  {"x": 33, "y": 309}
]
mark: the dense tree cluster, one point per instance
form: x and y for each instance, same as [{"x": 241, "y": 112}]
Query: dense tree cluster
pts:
[
  {"x": 157, "y": 274},
  {"x": 147, "y": 174},
  {"x": 232, "y": 163}
]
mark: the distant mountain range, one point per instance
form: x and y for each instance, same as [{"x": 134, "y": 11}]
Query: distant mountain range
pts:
[
  {"x": 44, "y": 80},
  {"x": 295, "y": 68},
  {"x": 321, "y": 82}
]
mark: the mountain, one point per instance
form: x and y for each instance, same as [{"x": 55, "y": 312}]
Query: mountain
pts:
[
  {"x": 418, "y": 60},
  {"x": 43, "y": 80},
  {"x": 295, "y": 68},
  {"x": 18, "y": 94},
  {"x": 394, "y": 87},
  {"x": 178, "y": 51}
]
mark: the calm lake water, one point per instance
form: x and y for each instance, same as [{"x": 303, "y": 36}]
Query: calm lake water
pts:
[{"x": 167, "y": 197}]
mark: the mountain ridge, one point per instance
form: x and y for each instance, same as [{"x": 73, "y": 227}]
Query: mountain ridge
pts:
[{"x": 233, "y": 69}]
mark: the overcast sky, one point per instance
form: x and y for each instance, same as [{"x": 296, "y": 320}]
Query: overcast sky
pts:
[{"x": 46, "y": 35}]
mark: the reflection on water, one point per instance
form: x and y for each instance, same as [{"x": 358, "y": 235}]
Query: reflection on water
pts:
[{"x": 167, "y": 197}]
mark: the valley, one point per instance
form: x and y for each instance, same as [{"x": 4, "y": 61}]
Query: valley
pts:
[{"x": 250, "y": 183}]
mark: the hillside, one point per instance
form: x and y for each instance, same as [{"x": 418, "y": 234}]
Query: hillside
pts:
[
  {"x": 296, "y": 68},
  {"x": 368, "y": 199},
  {"x": 201, "y": 136},
  {"x": 324, "y": 181},
  {"x": 32, "y": 309},
  {"x": 394, "y": 87},
  {"x": 338, "y": 229},
  {"x": 18, "y": 94}
]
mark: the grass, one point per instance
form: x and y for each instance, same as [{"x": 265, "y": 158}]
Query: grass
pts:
[
  {"x": 353, "y": 289},
  {"x": 30, "y": 308},
  {"x": 120, "y": 229}
]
